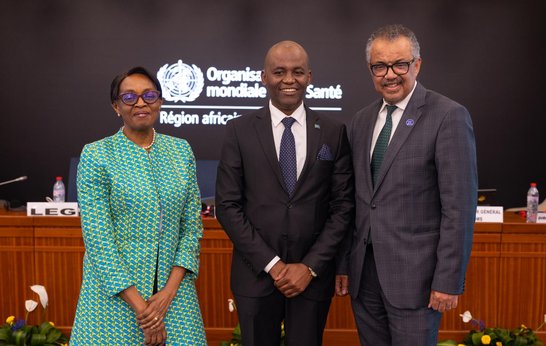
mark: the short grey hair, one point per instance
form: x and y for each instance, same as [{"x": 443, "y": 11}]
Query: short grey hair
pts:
[{"x": 392, "y": 32}]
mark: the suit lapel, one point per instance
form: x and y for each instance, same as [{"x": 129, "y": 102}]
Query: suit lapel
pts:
[
  {"x": 264, "y": 131},
  {"x": 409, "y": 119},
  {"x": 313, "y": 143},
  {"x": 367, "y": 133}
]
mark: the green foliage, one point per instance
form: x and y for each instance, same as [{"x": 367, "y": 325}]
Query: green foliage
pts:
[
  {"x": 521, "y": 336},
  {"x": 26, "y": 335},
  {"x": 237, "y": 339},
  {"x": 16, "y": 332}
]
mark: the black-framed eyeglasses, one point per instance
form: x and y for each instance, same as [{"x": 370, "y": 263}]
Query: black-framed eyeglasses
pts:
[
  {"x": 399, "y": 68},
  {"x": 131, "y": 99}
]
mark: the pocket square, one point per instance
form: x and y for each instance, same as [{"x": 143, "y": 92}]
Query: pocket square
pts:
[{"x": 325, "y": 154}]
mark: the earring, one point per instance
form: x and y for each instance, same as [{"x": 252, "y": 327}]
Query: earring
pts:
[{"x": 119, "y": 115}]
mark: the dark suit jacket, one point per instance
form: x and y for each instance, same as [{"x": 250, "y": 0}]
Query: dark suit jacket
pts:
[
  {"x": 421, "y": 212},
  {"x": 262, "y": 221}
]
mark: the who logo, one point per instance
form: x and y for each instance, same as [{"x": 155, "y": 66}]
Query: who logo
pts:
[{"x": 180, "y": 82}]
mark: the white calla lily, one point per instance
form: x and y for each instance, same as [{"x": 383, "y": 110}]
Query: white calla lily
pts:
[
  {"x": 231, "y": 305},
  {"x": 30, "y": 305},
  {"x": 42, "y": 293},
  {"x": 467, "y": 317}
]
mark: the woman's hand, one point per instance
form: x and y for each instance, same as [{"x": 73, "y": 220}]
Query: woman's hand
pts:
[
  {"x": 159, "y": 303},
  {"x": 153, "y": 337},
  {"x": 157, "y": 308}
]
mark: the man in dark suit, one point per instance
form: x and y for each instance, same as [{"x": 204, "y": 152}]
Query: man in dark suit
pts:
[
  {"x": 416, "y": 188},
  {"x": 284, "y": 195}
]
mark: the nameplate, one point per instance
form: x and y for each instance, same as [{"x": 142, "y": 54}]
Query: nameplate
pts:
[
  {"x": 541, "y": 218},
  {"x": 489, "y": 214},
  {"x": 52, "y": 209}
]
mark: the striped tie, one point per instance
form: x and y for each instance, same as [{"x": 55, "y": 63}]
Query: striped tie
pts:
[{"x": 382, "y": 144}]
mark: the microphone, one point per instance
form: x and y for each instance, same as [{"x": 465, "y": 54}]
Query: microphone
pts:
[{"x": 24, "y": 177}]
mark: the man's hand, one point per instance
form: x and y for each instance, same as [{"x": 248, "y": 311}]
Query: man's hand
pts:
[
  {"x": 294, "y": 279},
  {"x": 277, "y": 270},
  {"x": 442, "y": 301},
  {"x": 342, "y": 285}
]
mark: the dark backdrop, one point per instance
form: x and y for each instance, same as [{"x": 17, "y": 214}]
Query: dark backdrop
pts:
[{"x": 58, "y": 58}]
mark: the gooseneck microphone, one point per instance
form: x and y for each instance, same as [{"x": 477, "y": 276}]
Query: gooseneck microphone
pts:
[{"x": 24, "y": 177}]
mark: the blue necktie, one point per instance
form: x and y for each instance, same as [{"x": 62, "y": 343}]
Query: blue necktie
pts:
[
  {"x": 382, "y": 144},
  {"x": 287, "y": 156}
]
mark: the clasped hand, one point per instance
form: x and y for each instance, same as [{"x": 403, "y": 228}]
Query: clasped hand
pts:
[
  {"x": 290, "y": 279},
  {"x": 151, "y": 319}
]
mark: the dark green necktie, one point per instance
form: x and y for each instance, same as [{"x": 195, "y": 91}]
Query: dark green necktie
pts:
[{"x": 382, "y": 144}]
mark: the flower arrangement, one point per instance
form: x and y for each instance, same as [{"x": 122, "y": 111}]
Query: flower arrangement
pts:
[
  {"x": 237, "y": 339},
  {"x": 18, "y": 332},
  {"x": 521, "y": 336}
]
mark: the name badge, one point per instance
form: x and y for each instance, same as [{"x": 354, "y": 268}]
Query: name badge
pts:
[
  {"x": 489, "y": 214},
  {"x": 52, "y": 209}
]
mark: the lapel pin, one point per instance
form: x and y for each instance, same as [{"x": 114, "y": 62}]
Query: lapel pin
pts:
[
  {"x": 410, "y": 122},
  {"x": 317, "y": 126}
]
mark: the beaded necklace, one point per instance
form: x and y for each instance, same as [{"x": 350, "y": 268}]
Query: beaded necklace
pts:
[{"x": 147, "y": 147}]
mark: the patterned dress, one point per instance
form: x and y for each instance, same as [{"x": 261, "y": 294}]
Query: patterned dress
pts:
[{"x": 140, "y": 211}]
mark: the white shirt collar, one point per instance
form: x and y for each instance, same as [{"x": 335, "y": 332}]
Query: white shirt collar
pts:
[
  {"x": 402, "y": 104},
  {"x": 277, "y": 115}
]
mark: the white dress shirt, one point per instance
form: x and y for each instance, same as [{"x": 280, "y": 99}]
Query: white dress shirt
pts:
[
  {"x": 299, "y": 130},
  {"x": 396, "y": 116}
]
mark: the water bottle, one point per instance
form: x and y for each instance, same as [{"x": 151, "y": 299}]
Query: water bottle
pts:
[
  {"x": 58, "y": 190},
  {"x": 532, "y": 203}
]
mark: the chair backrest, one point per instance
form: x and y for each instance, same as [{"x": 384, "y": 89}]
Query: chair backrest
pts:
[
  {"x": 71, "y": 191},
  {"x": 206, "y": 178}
]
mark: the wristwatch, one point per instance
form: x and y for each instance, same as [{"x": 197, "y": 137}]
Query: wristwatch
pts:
[{"x": 312, "y": 272}]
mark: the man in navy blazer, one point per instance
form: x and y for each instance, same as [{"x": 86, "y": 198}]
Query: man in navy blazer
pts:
[
  {"x": 285, "y": 231},
  {"x": 416, "y": 189}
]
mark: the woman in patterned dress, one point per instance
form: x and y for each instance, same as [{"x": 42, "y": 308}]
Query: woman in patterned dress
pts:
[{"x": 141, "y": 223}]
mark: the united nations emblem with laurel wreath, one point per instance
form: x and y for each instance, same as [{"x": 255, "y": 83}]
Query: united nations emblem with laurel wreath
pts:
[{"x": 180, "y": 82}]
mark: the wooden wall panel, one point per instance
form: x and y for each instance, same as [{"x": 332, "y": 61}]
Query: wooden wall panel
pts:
[
  {"x": 481, "y": 294},
  {"x": 505, "y": 286},
  {"x": 213, "y": 282},
  {"x": 16, "y": 266},
  {"x": 341, "y": 314},
  {"x": 59, "y": 260},
  {"x": 523, "y": 279}
]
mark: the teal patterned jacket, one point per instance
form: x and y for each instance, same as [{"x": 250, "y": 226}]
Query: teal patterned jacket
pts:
[{"x": 139, "y": 209}]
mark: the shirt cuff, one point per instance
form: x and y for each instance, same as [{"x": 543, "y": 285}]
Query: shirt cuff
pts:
[{"x": 271, "y": 264}]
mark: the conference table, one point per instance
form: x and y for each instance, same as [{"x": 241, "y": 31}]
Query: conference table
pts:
[{"x": 505, "y": 284}]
